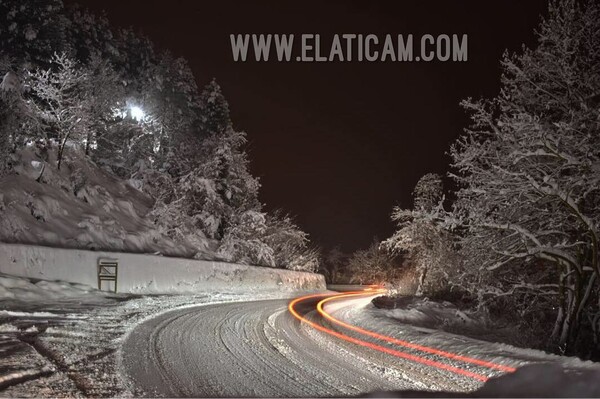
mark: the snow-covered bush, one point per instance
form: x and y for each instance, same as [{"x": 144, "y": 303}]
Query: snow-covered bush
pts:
[{"x": 261, "y": 239}]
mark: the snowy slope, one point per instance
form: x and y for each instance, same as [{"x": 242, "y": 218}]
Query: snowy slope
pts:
[{"x": 79, "y": 206}]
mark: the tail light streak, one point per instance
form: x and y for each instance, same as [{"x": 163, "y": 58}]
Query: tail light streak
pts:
[{"x": 371, "y": 291}]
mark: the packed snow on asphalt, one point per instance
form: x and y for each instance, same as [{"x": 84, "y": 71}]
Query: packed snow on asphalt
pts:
[
  {"x": 257, "y": 349},
  {"x": 60, "y": 339}
]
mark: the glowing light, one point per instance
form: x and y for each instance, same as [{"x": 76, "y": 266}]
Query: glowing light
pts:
[
  {"x": 372, "y": 291},
  {"x": 422, "y": 348},
  {"x": 137, "y": 113}
]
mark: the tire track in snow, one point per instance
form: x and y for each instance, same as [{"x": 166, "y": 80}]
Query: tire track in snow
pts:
[{"x": 258, "y": 349}]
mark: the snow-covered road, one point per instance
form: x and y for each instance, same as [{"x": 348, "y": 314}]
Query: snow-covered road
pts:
[
  {"x": 313, "y": 346},
  {"x": 257, "y": 348}
]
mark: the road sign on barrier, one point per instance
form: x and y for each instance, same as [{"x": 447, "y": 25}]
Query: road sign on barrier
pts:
[{"x": 107, "y": 274}]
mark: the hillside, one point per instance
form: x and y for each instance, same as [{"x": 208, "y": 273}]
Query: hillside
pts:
[{"x": 80, "y": 206}]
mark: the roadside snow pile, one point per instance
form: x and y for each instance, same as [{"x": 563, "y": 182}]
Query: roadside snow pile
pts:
[
  {"x": 445, "y": 316},
  {"x": 362, "y": 313},
  {"x": 531, "y": 381},
  {"x": 79, "y": 206},
  {"x": 30, "y": 290},
  {"x": 429, "y": 314}
]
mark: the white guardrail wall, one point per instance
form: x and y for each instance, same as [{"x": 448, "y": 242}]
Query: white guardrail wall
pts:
[{"x": 150, "y": 274}]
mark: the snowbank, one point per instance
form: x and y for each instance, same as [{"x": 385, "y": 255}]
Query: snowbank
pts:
[
  {"x": 147, "y": 274},
  {"x": 419, "y": 311},
  {"x": 362, "y": 313}
]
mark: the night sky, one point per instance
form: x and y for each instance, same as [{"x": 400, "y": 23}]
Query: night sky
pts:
[{"x": 339, "y": 144}]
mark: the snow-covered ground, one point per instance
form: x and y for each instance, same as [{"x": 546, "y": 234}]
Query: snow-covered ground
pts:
[
  {"x": 257, "y": 349},
  {"x": 80, "y": 206},
  {"x": 422, "y": 322},
  {"x": 422, "y": 312},
  {"x": 361, "y": 312},
  {"x": 59, "y": 339}
]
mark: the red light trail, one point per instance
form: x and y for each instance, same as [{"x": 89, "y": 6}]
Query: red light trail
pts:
[{"x": 373, "y": 291}]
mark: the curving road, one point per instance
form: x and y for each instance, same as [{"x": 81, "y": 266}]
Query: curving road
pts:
[{"x": 259, "y": 349}]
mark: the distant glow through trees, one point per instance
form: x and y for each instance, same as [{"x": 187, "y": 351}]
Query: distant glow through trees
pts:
[{"x": 137, "y": 113}]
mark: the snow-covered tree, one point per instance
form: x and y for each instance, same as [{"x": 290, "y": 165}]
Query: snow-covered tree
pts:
[
  {"x": 421, "y": 238},
  {"x": 10, "y": 94},
  {"x": 174, "y": 104},
  {"x": 290, "y": 244},
  {"x": 215, "y": 117},
  {"x": 333, "y": 263},
  {"x": 134, "y": 59},
  {"x": 224, "y": 162},
  {"x": 57, "y": 96},
  {"x": 529, "y": 172},
  {"x": 243, "y": 241},
  {"x": 32, "y": 31},
  {"x": 90, "y": 35},
  {"x": 15, "y": 118},
  {"x": 196, "y": 167},
  {"x": 428, "y": 192},
  {"x": 374, "y": 265},
  {"x": 102, "y": 95}
]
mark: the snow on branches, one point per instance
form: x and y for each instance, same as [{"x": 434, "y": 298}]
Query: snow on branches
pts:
[
  {"x": 75, "y": 84},
  {"x": 529, "y": 175},
  {"x": 422, "y": 239}
]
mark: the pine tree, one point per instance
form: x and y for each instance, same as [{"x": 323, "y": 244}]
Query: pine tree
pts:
[
  {"x": 102, "y": 94},
  {"x": 224, "y": 161},
  {"x": 174, "y": 103}
]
